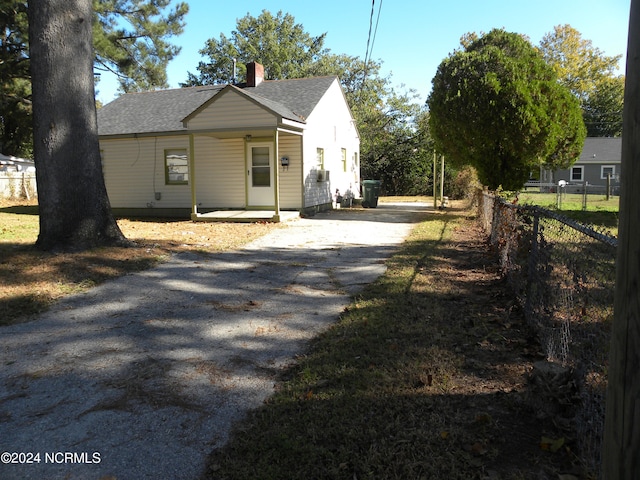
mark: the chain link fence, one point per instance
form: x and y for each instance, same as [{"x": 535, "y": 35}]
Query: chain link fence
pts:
[{"x": 563, "y": 275}]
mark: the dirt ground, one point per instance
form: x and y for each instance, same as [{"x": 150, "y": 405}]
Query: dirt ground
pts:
[{"x": 522, "y": 421}]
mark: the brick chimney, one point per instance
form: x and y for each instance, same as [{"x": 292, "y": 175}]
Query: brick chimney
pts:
[{"x": 255, "y": 74}]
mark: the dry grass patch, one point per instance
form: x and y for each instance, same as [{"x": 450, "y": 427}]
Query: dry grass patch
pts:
[{"x": 31, "y": 280}]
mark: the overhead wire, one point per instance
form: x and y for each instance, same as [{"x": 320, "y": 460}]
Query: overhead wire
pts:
[{"x": 371, "y": 38}]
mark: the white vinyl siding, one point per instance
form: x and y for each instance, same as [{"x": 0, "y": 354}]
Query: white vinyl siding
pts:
[
  {"x": 290, "y": 177},
  {"x": 232, "y": 110},
  {"x": 219, "y": 172},
  {"x": 330, "y": 127},
  {"x": 135, "y": 175}
]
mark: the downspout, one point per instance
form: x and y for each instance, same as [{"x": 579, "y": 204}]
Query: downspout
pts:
[
  {"x": 276, "y": 174},
  {"x": 192, "y": 175}
]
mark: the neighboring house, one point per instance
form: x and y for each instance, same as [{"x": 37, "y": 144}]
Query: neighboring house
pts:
[
  {"x": 263, "y": 145},
  {"x": 600, "y": 159},
  {"x": 17, "y": 177}
]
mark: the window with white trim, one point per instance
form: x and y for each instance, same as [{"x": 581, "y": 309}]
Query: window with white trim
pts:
[
  {"x": 176, "y": 167},
  {"x": 606, "y": 170},
  {"x": 344, "y": 159},
  {"x": 577, "y": 174}
]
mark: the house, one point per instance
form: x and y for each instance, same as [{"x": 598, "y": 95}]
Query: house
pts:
[
  {"x": 17, "y": 177},
  {"x": 263, "y": 145},
  {"x": 598, "y": 164}
]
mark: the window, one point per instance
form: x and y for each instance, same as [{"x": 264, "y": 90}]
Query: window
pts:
[
  {"x": 577, "y": 174},
  {"x": 176, "y": 167},
  {"x": 607, "y": 170},
  {"x": 320, "y": 158},
  {"x": 344, "y": 159},
  {"x": 260, "y": 167}
]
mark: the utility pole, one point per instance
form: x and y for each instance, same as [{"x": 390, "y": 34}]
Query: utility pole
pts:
[
  {"x": 435, "y": 176},
  {"x": 442, "y": 182},
  {"x": 621, "y": 446}
]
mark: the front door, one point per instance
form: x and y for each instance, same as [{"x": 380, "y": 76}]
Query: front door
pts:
[{"x": 260, "y": 180}]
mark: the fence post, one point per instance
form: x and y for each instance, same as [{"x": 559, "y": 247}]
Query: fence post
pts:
[{"x": 532, "y": 263}]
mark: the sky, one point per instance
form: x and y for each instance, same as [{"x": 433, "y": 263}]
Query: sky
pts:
[{"x": 412, "y": 36}]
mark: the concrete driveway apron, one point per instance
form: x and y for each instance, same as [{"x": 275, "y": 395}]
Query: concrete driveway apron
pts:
[{"x": 142, "y": 377}]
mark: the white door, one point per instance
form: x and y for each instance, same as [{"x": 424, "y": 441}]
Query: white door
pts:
[{"x": 260, "y": 182}]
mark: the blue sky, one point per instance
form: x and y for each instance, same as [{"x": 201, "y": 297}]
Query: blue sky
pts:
[{"x": 413, "y": 36}]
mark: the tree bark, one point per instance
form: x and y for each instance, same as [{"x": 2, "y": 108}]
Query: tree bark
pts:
[
  {"x": 621, "y": 448},
  {"x": 75, "y": 213}
]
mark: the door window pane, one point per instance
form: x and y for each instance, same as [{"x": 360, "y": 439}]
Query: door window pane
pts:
[{"x": 260, "y": 169}]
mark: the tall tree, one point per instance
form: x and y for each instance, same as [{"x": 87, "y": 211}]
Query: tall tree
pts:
[
  {"x": 279, "y": 43},
  {"x": 131, "y": 40},
  {"x": 620, "y": 459},
  {"x": 498, "y": 106},
  {"x": 602, "y": 110},
  {"x": 591, "y": 77},
  {"x": 74, "y": 208},
  {"x": 15, "y": 88},
  {"x": 578, "y": 64}
]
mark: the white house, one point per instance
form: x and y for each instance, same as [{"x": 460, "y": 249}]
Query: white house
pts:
[
  {"x": 263, "y": 145},
  {"x": 17, "y": 177}
]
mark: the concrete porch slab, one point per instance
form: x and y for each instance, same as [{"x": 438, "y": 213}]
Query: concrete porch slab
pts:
[{"x": 245, "y": 216}]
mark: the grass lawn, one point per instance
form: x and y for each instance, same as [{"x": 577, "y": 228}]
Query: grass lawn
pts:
[
  {"x": 600, "y": 212},
  {"x": 30, "y": 280}
]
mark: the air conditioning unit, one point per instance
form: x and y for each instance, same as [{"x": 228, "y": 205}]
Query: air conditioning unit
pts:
[{"x": 323, "y": 175}]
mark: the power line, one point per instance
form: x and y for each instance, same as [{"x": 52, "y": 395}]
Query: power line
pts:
[
  {"x": 371, "y": 38},
  {"x": 366, "y": 54}
]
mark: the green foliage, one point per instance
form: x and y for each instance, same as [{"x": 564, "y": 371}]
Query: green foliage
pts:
[
  {"x": 130, "y": 38},
  {"x": 284, "y": 48},
  {"x": 591, "y": 77},
  {"x": 15, "y": 89},
  {"x": 602, "y": 110},
  {"x": 578, "y": 64},
  {"x": 462, "y": 183},
  {"x": 498, "y": 106}
]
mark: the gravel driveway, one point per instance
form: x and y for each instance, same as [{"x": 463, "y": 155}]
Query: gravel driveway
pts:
[{"x": 140, "y": 378}]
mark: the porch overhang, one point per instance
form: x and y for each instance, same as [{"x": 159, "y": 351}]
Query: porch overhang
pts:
[{"x": 249, "y": 214}]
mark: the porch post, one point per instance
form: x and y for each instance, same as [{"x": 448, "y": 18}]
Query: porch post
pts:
[
  {"x": 276, "y": 175},
  {"x": 192, "y": 177}
]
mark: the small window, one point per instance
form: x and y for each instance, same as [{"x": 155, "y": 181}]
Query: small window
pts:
[
  {"x": 176, "y": 167},
  {"x": 320, "y": 158},
  {"x": 577, "y": 174},
  {"x": 606, "y": 171},
  {"x": 344, "y": 159}
]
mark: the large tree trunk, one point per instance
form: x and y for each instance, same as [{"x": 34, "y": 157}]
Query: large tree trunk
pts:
[
  {"x": 74, "y": 208},
  {"x": 621, "y": 451}
]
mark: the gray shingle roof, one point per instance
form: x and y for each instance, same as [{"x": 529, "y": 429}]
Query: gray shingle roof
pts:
[
  {"x": 601, "y": 150},
  {"x": 163, "y": 111}
]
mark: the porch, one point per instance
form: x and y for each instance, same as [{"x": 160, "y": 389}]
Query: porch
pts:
[{"x": 245, "y": 216}]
